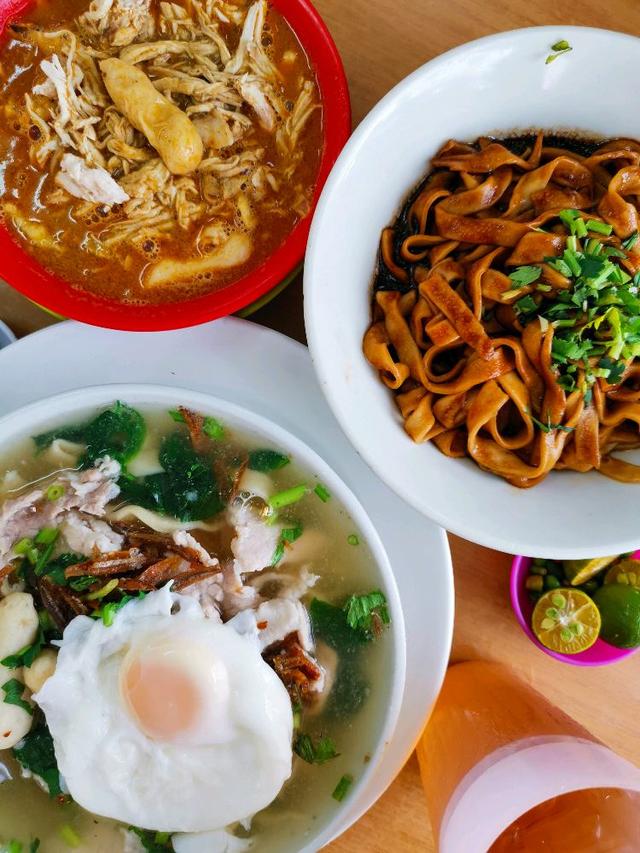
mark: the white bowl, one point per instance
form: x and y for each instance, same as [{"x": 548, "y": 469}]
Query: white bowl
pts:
[
  {"x": 498, "y": 84},
  {"x": 74, "y": 405},
  {"x": 6, "y": 335}
]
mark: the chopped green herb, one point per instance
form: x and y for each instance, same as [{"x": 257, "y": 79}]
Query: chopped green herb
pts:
[
  {"x": 36, "y": 754},
  {"x": 176, "y": 416},
  {"x": 558, "y": 48},
  {"x": 12, "y": 846},
  {"x": 55, "y": 570},
  {"x": 288, "y": 497},
  {"x": 287, "y": 535},
  {"x": 342, "y": 788},
  {"x": 82, "y": 583},
  {"x": 70, "y": 837},
  {"x": 108, "y": 611},
  {"x": 521, "y": 276},
  {"x": 55, "y": 492},
  {"x": 526, "y": 305},
  {"x": 297, "y": 716},
  {"x": 362, "y": 609},
  {"x": 267, "y": 460},
  {"x": 630, "y": 242},
  {"x": 548, "y": 426},
  {"x": 34, "y": 846},
  {"x": 47, "y": 536},
  {"x": 213, "y": 428},
  {"x": 324, "y": 749},
  {"x": 352, "y": 539},
  {"x": 153, "y": 842},
  {"x": 26, "y": 655},
  {"x": 13, "y": 693},
  {"x": 599, "y": 227},
  {"x": 322, "y": 492},
  {"x": 23, "y": 547}
]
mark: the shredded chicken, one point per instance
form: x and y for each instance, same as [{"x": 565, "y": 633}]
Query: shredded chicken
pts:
[{"x": 92, "y": 184}]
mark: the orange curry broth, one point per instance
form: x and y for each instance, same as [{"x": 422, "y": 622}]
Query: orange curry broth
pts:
[{"x": 119, "y": 276}]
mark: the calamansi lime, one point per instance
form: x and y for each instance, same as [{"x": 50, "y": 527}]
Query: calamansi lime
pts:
[
  {"x": 566, "y": 621},
  {"x": 579, "y": 571},
  {"x": 619, "y": 606},
  {"x": 625, "y": 572}
]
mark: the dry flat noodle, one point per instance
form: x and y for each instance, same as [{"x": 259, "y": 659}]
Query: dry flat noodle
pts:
[
  {"x": 506, "y": 314},
  {"x": 151, "y": 150}
]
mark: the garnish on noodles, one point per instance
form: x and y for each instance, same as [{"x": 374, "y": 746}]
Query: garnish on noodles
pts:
[{"x": 506, "y": 313}]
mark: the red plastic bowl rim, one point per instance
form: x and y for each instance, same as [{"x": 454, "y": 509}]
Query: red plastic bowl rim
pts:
[
  {"x": 26, "y": 275},
  {"x": 606, "y": 653}
]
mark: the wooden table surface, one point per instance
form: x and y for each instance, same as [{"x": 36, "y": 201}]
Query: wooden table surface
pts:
[{"x": 381, "y": 41}]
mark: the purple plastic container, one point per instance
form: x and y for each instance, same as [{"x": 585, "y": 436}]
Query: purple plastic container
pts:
[{"x": 599, "y": 654}]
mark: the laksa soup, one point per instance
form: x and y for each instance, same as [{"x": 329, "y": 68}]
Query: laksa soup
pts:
[
  {"x": 193, "y": 640},
  {"x": 154, "y": 151}
]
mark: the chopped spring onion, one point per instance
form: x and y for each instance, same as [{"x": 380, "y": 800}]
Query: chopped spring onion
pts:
[
  {"x": 559, "y": 47},
  {"x": 322, "y": 492},
  {"x": 630, "y": 242},
  {"x": 68, "y": 834},
  {"x": 352, "y": 539},
  {"x": 288, "y": 497},
  {"x": 342, "y": 788},
  {"x": 55, "y": 492},
  {"x": 322, "y": 750},
  {"x": 23, "y": 547},
  {"x": 599, "y": 227},
  {"x": 104, "y": 590},
  {"x": 47, "y": 536}
]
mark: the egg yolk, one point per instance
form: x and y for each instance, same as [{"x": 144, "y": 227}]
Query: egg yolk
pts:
[{"x": 164, "y": 700}]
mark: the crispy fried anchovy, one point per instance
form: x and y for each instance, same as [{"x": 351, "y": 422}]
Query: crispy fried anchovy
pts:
[
  {"x": 61, "y": 603},
  {"x": 115, "y": 563},
  {"x": 296, "y": 669}
]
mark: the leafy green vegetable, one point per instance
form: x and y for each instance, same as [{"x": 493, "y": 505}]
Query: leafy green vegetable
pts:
[
  {"x": 35, "y": 753},
  {"x": 34, "y": 846},
  {"x": 13, "y": 692},
  {"x": 521, "y": 276},
  {"x": 186, "y": 489},
  {"x": 362, "y": 609},
  {"x": 117, "y": 432},
  {"x": 153, "y": 842},
  {"x": 558, "y": 48},
  {"x": 267, "y": 460},
  {"x": 55, "y": 569},
  {"x": 27, "y": 655},
  {"x": 322, "y": 492},
  {"x": 323, "y": 749},
  {"x": 342, "y": 788}
]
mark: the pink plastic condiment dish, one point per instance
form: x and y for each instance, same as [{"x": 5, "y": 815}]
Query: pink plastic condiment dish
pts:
[{"x": 599, "y": 654}]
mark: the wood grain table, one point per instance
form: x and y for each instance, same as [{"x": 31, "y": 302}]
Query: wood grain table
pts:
[{"x": 381, "y": 41}]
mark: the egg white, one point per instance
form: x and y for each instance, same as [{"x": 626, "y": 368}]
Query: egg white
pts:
[{"x": 231, "y": 765}]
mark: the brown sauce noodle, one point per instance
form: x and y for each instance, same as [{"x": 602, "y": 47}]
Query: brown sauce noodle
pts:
[{"x": 468, "y": 368}]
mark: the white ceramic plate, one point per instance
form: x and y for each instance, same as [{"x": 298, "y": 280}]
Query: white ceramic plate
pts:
[
  {"x": 271, "y": 375},
  {"x": 497, "y": 84}
]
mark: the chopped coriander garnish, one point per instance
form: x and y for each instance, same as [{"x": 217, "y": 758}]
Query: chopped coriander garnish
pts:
[
  {"x": 324, "y": 749},
  {"x": 526, "y": 305},
  {"x": 267, "y": 460},
  {"x": 352, "y": 539},
  {"x": 521, "y": 276},
  {"x": 558, "y": 48},
  {"x": 176, "y": 416},
  {"x": 288, "y": 497},
  {"x": 70, "y": 837},
  {"x": 342, "y": 788},
  {"x": 361, "y": 610},
  {"x": 153, "y": 842},
  {"x": 108, "y": 611},
  {"x": 322, "y": 492},
  {"x": 13, "y": 692}
]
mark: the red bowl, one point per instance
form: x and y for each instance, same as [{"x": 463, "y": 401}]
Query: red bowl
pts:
[{"x": 26, "y": 275}]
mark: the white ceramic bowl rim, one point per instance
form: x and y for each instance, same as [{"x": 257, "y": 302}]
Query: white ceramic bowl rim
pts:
[
  {"x": 499, "y": 83},
  {"x": 53, "y": 410}
]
